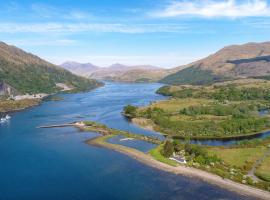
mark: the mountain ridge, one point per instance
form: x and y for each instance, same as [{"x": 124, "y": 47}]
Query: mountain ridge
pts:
[
  {"x": 230, "y": 62},
  {"x": 122, "y": 72},
  {"x": 81, "y": 69}
]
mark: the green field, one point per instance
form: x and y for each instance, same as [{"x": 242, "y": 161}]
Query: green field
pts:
[
  {"x": 263, "y": 171},
  {"x": 242, "y": 158},
  {"x": 174, "y": 105}
]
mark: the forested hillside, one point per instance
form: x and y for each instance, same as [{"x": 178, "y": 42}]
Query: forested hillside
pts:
[{"x": 28, "y": 73}]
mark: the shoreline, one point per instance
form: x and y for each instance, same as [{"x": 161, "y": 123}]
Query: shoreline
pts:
[
  {"x": 32, "y": 104},
  {"x": 38, "y": 101},
  {"x": 182, "y": 170}
]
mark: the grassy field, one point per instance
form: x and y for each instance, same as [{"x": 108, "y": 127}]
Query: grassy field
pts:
[
  {"x": 174, "y": 105},
  {"x": 242, "y": 158},
  {"x": 263, "y": 170}
]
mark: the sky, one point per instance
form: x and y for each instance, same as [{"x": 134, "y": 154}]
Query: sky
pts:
[{"x": 164, "y": 33}]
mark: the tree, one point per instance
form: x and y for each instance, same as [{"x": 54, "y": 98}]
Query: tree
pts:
[
  {"x": 130, "y": 111},
  {"x": 168, "y": 149},
  {"x": 177, "y": 145}
]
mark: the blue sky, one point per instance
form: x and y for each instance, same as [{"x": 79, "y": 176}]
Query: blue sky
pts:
[{"x": 166, "y": 33}]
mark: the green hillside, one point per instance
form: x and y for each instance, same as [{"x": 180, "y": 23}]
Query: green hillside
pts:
[
  {"x": 193, "y": 76},
  {"x": 28, "y": 73}
]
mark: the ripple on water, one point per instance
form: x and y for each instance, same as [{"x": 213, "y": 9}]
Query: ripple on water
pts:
[{"x": 57, "y": 164}]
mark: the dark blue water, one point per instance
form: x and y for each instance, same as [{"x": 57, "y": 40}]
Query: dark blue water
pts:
[
  {"x": 229, "y": 142},
  {"x": 264, "y": 112},
  {"x": 42, "y": 164},
  {"x": 136, "y": 144}
]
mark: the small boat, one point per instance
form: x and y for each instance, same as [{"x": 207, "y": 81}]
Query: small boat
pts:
[
  {"x": 4, "y": 119},
  {"x": 125, "y": 139}
]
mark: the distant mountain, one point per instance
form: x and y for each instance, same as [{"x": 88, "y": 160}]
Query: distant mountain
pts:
[
  {"x": 141, "y": 75},
  {"x": 236, "y": 61},
  {"x": 125, "y": 73},
  {"x": 117, "y": 67},
  {"x": 26, "y": 73},
  {"x": 117, "y": 72},
  {"x": 81, "y": 69}
]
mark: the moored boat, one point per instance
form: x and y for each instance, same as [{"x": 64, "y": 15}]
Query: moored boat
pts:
[{"x": 4, "y": 119}]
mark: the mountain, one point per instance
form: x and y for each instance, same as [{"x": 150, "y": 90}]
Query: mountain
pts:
[
  {"x": 118, "y": 72},
  {"x": 232, "y": 62},
  {"x": 140, "y": 75},
  {"x": 117, "y": 67},
  {"x": 26, "y": 73},
  {"x": 81, "y": 69},
  {"x": 125, "y": 73}
]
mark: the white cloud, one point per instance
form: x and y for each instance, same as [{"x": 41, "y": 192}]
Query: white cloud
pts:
[
  {"x": 42, "y": 42},
  {"x": 211, "y": 8},
  {"x": 87, "y": 27},
  {"x": 48, "y": 11}
]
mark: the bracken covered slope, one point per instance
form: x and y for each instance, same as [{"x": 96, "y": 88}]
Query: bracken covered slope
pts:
[{"x": 236, "y": 61}]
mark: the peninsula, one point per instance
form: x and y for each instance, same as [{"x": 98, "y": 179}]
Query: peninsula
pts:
[{"x": 215, "y": 172}]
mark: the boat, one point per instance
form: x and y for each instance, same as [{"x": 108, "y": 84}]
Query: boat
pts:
[
  {"x": 4, "y": 119},
  {"x": 125, "y": 139}
]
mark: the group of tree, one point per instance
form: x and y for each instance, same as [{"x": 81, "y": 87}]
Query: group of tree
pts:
[
  {"x": 219, "y": 109},
  {"x": 220, "y": 93},
  {"x": 130, "y": 111},
  {"x": 194, "y": 153},
  {"x": 233, "y": 93}
]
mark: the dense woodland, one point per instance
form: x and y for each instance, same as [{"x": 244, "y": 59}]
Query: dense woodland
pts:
[
  {"x": 225, "y": 92},
  {"x": 40, "y": 79}
]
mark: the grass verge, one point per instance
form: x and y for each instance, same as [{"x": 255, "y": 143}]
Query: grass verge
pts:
[{"x": 156, "y": 154}]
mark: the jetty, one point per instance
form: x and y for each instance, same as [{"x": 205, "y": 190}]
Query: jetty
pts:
[
  {"x": 104, "y": 130},
  {"x": 56, "y": 126},
  {"x": 75, "y": 124}
]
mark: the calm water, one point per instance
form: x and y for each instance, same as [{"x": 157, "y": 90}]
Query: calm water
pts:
[
  {"x": 228, "y": 142},
  {"x": 37, "y": 164},
  {"x": 136, "y": 144}
]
